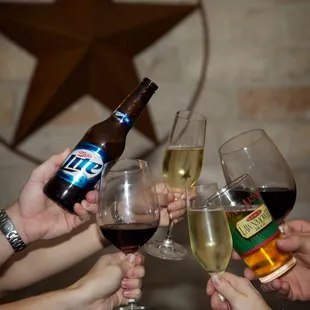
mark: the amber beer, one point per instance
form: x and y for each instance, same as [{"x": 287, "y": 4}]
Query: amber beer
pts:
[{"x": 253, "y": 230}]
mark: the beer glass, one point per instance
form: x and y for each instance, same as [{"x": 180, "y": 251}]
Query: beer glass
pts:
[
  {"x": 253, "y": 230},
  {"x": 129, "y": 210},
  {"x": 254, "y": 153},
  {"x": 181, "y": 167},
  {"x": 209, "y": 232}
]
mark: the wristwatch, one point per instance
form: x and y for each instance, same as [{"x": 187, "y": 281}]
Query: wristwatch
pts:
[{"x": 9, "y": 231}]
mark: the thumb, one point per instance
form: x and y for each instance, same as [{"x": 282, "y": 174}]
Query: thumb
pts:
[
  {"x": 294, "y": 243},
  {"x": 49, "y": 167},
  {"x": 127, "y": 263},
  {"x": 224, "y": 287}
]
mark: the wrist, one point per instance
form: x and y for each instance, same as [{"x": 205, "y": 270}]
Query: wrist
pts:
[
  {"x": 14, "y": 214},
  {"x": 84, "y": 298}
]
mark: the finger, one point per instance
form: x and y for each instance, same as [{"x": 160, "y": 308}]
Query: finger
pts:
[
  {"x": 294, "y": 243},
  {"x": 48, "y": 169},
  {"x": 133, "y": 294},
  {"x": 82, "y": 214},
  {"x": 295, "y": 226},
  {"x": 177, "y": 205},
  {"x": 175, "y": 215},
  {"x": 137, "y": 272},
  {"x": 131, "y": 283},
  {"x": 273, "y": 286},
  {"x": 112, "y": 259},
  {"x": 249, "y": 274},
  {"x": 217, "y": 304},
  {"x": 224, "y": 287},
  {"x": 210, "y": 288},
  {"x": 235, "y": 255},
  {"x": 91, "y": 208},
  {"x": 139, "y": 259},
  {"x": 179, "y": 220},
  {"x": 240, "y": 284},
  {"x": 92, "y": 196},
  {"x": 285, "y": 289}
]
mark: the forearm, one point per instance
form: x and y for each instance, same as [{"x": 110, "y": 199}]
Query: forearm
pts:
[
  {"x": 50, "y": 257},
  {"x": 67, "y": 299}
]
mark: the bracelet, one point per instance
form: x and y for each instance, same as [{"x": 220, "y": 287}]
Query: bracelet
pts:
[{"x": 9, "y": 231}]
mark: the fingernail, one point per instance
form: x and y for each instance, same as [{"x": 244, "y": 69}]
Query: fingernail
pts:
[
  {"x": 124, "y": 282},
  {"x": 131, "y": 258},
  {"x": 216, "y": 280},
  {"x": 126, "y": 293}
]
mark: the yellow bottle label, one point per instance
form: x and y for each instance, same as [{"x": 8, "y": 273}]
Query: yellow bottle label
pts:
[{"x": 254, "y": 222}]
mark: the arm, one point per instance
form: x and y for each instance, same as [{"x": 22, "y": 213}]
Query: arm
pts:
[
  {"x": 66, "y": 299},
  {"x": 110, "y": 283},
  {"x": 49, "y": 257}
]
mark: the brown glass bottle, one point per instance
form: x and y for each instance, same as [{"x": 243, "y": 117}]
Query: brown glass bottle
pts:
[{"x": 103, "y": 142}]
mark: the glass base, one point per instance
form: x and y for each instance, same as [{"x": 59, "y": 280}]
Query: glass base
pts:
[
  {"x": 166, "y": 249},
  {"x": 279, "y": 272},
  {"x": 134, "y": 307}
]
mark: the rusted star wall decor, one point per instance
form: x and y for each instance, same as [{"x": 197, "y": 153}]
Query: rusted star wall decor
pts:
[{"x": 84, "y": 47}]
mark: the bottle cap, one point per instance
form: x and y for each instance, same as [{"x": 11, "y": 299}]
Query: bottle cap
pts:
[{"x": 149, "y": 84}]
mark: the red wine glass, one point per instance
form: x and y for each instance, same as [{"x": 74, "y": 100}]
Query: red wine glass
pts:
[
  {"x": 129, "y": 210},
  {"x": 254, "y": 153}
]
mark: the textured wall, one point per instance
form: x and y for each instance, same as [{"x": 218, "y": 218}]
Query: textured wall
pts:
[{"x": 258, "y": 76}]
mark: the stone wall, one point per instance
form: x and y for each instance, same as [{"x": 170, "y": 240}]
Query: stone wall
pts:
[{"x": 258, "y": 76}]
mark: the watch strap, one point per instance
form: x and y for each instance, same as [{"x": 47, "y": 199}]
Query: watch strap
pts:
[{"x": 9, "y": 231}]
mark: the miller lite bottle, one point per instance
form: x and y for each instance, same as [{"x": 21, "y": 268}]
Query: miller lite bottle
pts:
[{"x": 103, "y": 142}]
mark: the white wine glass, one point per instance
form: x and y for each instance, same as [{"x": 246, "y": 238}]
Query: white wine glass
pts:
[
  {"x": 129, "y": 209},
  {"x": 209, "y": 231},
  {"x": 182, "y": 164}
]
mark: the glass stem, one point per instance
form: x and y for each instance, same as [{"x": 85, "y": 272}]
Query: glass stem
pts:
[{"x": 169, "y": 231}]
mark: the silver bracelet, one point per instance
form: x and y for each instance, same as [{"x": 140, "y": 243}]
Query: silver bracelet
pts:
[{"x": 9, "y": 231}]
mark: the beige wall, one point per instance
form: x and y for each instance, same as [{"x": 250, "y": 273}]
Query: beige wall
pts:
[{"x": 258, "y": 76}]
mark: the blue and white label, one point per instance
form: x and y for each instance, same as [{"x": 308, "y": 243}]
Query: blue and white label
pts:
[
  {"x": 83, "y": 166},
  {"x": 123, "y": 118}
]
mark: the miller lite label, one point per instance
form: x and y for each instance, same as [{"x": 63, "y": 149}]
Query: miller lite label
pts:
[{"x": 83, "y": 166}]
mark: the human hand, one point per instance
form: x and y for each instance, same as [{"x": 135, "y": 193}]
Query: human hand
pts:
[
  {"x": 293, "y": 285},
  {"x": 35, "y": 216},
  {"x": 171, "y": 207},
  {"x": 239, "y": 293},
  {"x": 113, "y": 280}
]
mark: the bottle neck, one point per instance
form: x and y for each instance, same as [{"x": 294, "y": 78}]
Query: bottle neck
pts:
[{"x": 131, "y": 108}]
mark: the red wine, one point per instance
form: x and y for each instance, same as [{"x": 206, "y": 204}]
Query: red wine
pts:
[
  {"x": 279, "y": 201},
  {"x": 129, "y": 238}
]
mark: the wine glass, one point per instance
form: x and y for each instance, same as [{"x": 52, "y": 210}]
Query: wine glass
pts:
[
  {"x": 209, "y": 232},
  {"x": 254, "y": 153},
  {"x": 129, "y": 210},
  {"x": 181, "y": 166}
]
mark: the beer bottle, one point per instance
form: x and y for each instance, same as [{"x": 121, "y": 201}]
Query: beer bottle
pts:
[{"x": 103, "y": 142}]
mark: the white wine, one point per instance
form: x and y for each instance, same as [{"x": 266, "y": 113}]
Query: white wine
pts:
[
  {"x": 182, "y": 166},
  {"x": 210, "y": 238}
]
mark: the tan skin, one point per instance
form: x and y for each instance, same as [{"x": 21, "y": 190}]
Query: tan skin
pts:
[{"x": 38, "y": 218}]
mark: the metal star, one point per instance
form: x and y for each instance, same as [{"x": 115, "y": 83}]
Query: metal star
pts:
[{"x": 84, "y": 47}]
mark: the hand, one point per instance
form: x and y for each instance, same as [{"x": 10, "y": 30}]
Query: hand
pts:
[
  {"x": 239, "y": 293},
  {"x": 295, "y": 284},
  {"x": 111, "y": 282},
  {"x": 36, "y": 216},
  {"x": 171, "y": 207}
]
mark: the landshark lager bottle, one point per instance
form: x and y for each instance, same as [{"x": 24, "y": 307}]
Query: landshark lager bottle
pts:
[{"x": 103, "y": 142}]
